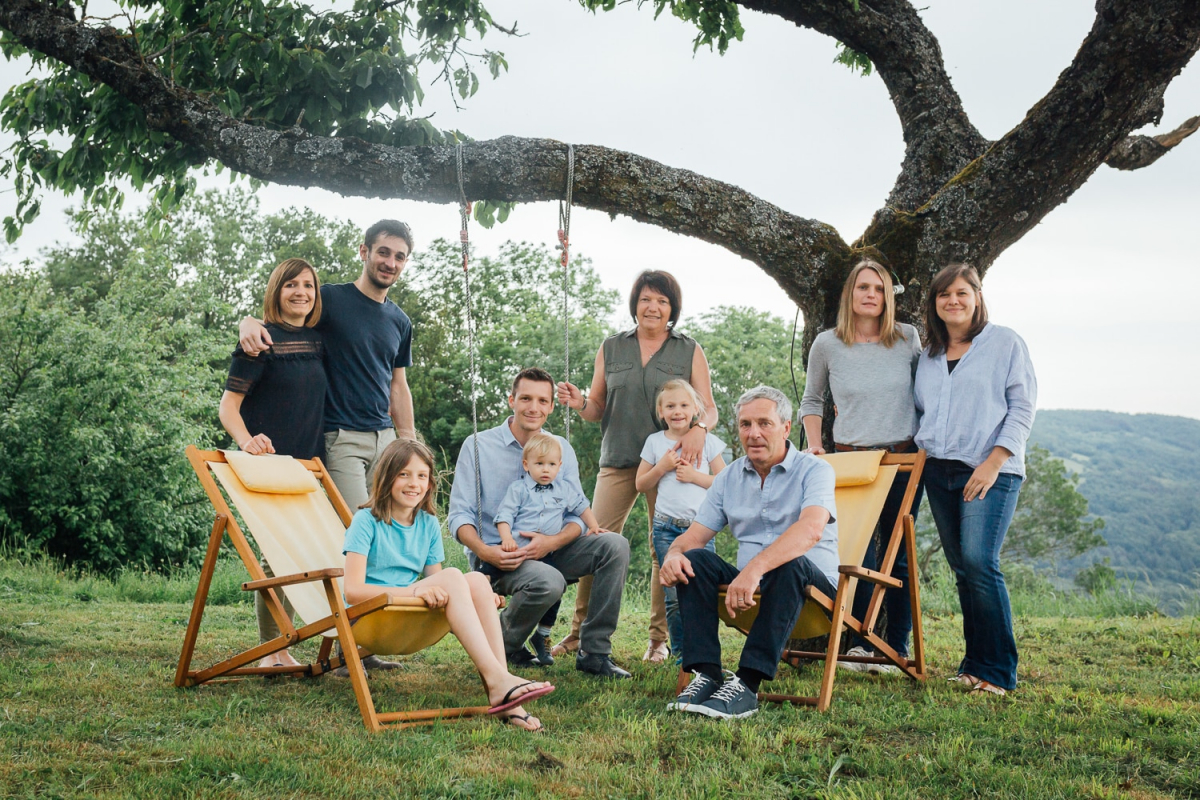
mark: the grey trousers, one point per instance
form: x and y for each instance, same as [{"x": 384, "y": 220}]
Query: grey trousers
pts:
[
  {"x": 534, "y": 586},
  {"x": 350, "y": 457}
]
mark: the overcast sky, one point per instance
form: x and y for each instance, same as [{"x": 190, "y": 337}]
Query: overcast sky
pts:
[{"x": 1098, "y": 290}]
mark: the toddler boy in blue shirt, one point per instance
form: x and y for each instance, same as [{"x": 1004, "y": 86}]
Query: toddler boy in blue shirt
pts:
[{"x": 537, "y": 503}]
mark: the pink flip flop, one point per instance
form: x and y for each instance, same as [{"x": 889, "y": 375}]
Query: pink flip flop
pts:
[{"x": 512, "y": 702}]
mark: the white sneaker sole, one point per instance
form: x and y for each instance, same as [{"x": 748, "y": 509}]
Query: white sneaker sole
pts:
[{"x": 712, "y": 712}]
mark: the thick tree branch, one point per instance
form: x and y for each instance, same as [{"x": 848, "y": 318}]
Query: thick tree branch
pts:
[
  {"x": 939, "y": 138},
  {"x": 1135, "y": 152},
  {"x": 797, "y": 252},
  {"x": 1115, "y": 85}
]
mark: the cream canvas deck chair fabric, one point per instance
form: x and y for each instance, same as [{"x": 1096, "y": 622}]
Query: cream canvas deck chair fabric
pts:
[
  {"x": 299, "y": 520},
  {"x": 863, "y": 481}
]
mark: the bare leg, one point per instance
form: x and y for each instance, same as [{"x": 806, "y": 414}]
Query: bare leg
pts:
[
  {"x": 485, "y": 607},
  {"x": 466, "y": 625}
]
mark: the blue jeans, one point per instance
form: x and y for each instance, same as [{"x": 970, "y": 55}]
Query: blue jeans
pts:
[
  {"x": 972, "y": 535},
  {"x": 782, "y": 597},
  {"x": 664, "y": 532},
  {"x": 896, "y": 602}
]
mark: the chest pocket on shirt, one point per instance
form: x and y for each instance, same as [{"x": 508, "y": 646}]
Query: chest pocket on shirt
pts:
[
  {"x": 617, "y": 374},
  {"x": 666, "y": 372}
]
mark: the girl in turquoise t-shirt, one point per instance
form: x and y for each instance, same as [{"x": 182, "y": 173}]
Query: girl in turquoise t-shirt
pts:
[{"x": 396, "y": 539}]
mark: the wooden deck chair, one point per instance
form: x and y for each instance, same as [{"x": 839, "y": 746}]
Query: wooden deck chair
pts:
[
  {"x": 300, "y": 530},
  {"x": 863, "y": 481}
]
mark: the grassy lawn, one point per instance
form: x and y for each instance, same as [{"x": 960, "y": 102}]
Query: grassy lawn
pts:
[{"x": 1107, "y": 707}]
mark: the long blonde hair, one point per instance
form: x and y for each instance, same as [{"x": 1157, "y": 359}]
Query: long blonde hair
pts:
[{"x": 889, "y": 331}]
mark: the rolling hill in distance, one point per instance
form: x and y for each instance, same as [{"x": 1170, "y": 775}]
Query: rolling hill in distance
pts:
[{"x": 1141, "y": 473}]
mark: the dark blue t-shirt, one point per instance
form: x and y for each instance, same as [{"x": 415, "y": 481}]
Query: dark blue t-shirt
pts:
[{"x": 364, "y": 342}]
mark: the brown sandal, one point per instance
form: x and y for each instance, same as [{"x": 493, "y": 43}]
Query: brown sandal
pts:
[
  {"x": 656, "y": 652},
  {"x": 569, "y": 644}
]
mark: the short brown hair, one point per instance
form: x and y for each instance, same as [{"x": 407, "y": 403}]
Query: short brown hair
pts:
[
  {"x": 535, "y": 374},
  {"x": 272, "y": 312},
  {"x": 541, "y": 444},
  {"x": 662, "y": 282},
  {"x": 395, "y": 457},
  {"x": 388, "y": 227},
  {"x": 935, "y": 330}
]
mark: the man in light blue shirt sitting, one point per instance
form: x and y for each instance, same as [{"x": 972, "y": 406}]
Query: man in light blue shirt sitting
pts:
[
  {"x": 779, "y": 505},
  {"x": 533, "y": 585}
]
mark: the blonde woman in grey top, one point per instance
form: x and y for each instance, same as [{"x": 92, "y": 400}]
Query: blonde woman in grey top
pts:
[{"x": 867, "y": 362}]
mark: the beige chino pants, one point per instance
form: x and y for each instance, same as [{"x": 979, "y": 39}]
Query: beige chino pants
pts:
[
  {"x": 614, "y": 498},
  {"x": 350, "y": 457}
]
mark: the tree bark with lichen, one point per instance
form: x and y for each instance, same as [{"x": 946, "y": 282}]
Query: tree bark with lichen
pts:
[{"x": 958, "y": 197}]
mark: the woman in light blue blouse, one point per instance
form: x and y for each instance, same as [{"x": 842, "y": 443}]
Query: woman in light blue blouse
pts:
[{"x": 975, "y": 393}]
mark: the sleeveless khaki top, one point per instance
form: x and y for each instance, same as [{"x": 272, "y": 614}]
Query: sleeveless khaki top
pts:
[{"x": 629, "y": 415}]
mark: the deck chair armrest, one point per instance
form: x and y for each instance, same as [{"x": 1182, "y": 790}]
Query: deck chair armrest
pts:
[
  {"x": 862, "y": 573},
  {"x": 288, "y": 580}
]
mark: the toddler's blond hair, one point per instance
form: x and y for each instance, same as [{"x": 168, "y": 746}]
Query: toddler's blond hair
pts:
[{"x": 541, "y": 445}]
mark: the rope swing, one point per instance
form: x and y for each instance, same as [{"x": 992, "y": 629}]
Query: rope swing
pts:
[
  {"x": 564, "y": 244},
  {"x": 464, "y": 212}
]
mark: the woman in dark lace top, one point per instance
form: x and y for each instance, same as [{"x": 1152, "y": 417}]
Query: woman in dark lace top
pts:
[{"x": 275, "y": 402}]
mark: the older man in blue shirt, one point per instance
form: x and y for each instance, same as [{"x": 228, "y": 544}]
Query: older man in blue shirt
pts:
[
  {"x": 778, "y": 503},
  {"x": 523, "y": 574}
]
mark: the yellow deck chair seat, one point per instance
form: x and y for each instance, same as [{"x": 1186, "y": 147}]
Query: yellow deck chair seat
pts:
[
  {"x": 298, "y": 519},
  {"x": 863, "y": 480}
]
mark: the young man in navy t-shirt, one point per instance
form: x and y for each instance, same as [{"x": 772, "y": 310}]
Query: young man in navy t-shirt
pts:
[{"x": 368, "y": 346}]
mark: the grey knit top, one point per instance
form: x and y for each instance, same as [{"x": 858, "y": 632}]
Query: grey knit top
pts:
[{"x": 872, "y": 387}]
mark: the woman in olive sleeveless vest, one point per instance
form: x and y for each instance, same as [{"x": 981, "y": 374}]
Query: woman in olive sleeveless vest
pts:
[{"x": 630, "y": 369}]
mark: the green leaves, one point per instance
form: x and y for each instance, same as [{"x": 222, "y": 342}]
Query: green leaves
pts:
[
  {"x": 112, "y": 359},
  {"x": 488, "y": 213},
  {"x": 1051, "y": 521},
  {"x": 745, "y": 348},
  {"x": 717, "y": 20},
  {"x": 856, "y": 61},
  {"x": 348, "y": 72}
]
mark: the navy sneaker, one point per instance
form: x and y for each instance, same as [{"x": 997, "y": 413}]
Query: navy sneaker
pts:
[
  {"x": 732, "y": 701},
  {"x": 700, "y": 689},
  {"x": 541, "y": 649},
  {"x": 521, "y": 658}
]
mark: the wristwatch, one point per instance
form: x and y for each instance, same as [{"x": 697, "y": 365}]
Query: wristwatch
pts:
[{"x": 700, "y": 425}]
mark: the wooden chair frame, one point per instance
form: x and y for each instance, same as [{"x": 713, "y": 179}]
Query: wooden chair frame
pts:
[
  {"x": 838, "y": 608},
  {"x": 340, "y": 616}
]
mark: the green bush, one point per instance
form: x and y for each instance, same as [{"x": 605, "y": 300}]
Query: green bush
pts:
[{"x": 95, "y": 411}]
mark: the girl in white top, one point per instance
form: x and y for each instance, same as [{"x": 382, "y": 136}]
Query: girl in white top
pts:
[{"x": 681, "y": 486}]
